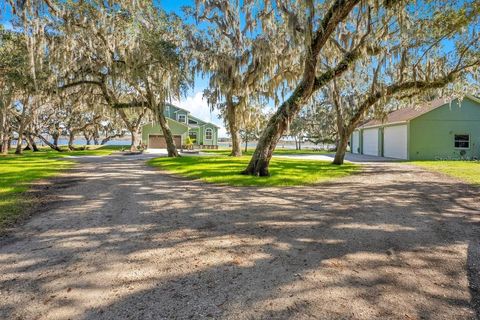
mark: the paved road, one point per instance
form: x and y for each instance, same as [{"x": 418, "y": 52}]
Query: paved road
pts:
[{"x": 115, "y": 239}]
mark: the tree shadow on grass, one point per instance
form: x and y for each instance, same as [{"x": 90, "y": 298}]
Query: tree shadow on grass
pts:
[
  {"x": 283, "y": 172},
  {"x": 139, "y": 244}
]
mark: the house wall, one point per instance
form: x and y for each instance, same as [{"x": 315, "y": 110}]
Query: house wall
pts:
[
  {"x": 431, "y": 136},
  {"x": 197, "y": 130},
  {"x": 170, "y": 111},
  {"x": 202, "y": 130},
  {"x": 175, "y": 127},
  {"x": 201, "y": 135}
]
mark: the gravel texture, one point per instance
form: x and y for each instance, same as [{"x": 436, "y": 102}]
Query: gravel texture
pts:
[{"x": 115, "y": 239}]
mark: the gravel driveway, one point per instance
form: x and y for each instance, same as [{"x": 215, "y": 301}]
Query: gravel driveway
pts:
[{"x": 115, "y": 239}]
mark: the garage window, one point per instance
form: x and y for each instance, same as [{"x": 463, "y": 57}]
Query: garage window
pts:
[
  {"x": 208, "y": 134},
  {"x": 462, "y": 141}
]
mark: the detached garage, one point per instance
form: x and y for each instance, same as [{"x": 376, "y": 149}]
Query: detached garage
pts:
[
  {"x": 395, "y": 141},
  {"x": 370, "y": 142},
  {"x": 441, "y": 129},
  {"x": 356, "y": 142}
]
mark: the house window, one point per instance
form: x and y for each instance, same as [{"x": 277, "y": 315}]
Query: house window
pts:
[
  {"x": 462, "y": 141},
  {"x": 182, "y": 118},
  {"x": 193, "y": 136},
  {"x": 208, "y": 134},
  {"x": 190, "y": 121}
]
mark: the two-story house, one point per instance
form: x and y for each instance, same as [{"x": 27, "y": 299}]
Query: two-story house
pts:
[{"x": 183, "y": 125}]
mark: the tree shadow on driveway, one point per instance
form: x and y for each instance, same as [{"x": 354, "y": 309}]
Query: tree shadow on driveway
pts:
[{"x": 131, "y": 242}]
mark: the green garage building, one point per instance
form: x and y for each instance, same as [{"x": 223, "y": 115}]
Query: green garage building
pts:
[{"x": 441, "y": 129}]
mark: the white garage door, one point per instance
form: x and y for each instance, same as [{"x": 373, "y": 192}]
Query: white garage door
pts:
[
  {"x": 370, "y": 142},
  {"x": 355, "y": 142},
  {"x": 395, "y": 142}
]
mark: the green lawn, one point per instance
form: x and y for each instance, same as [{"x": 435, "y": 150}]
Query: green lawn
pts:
[
  {"x": 226, "y": 170},
  {"x": 468, "y": 171},
  {"x": 277, "y": 152},
  {"x": 18, "y": 171}
]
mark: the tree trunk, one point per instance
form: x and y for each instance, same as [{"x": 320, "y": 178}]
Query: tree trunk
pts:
[
  {"x": 133, "y": 127},
  {"x": 134, "y": 141},
  {"x": 287, "y": 111},
  {"x": 167, "y": 133},
  {"x": 31, "y": 143},
  {"x": 4, "y": 133},
  {"x": 343, "y": 131},
  {"x": 299, "y": 143},
  {"x": 246, "y": 143},
  {"x": 276, "y": 127},
  {"x": 232, "y": 120},
  {"x": 51, "y": 145},
  {"x": 260, "y": 161},
  {"x": 95, "y": 136},
  {"x": 21, "y": 129},
  {"x": 71, "y": 137},
  {"x": 55, "y": 137},
  {"x": 341, "y": 147},
  {"x": 4, "y": 145},
  {"x": 18, "y": 150}
]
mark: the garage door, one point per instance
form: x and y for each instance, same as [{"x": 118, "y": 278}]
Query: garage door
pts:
[
  {"x": 395, "y": 142},
  {"x": 158, "y": 142},
  {"x": 370, "y": 142},
  {"x": 356, "y": 142}
]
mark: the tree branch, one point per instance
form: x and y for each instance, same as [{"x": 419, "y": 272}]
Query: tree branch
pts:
[
  {"x": 79, "y": 83},
  {"x": 347, "y": 61},
  {"x": 132, "y": 104}
]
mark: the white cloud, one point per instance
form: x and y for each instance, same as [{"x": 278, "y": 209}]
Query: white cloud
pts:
[{"x": 199, "y": 108}]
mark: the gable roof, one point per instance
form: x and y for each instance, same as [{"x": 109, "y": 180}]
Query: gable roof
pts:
[
  {"x": 177, "y": 122},
  {"x": 191, "y": 116},
  {"x": 177, "y": 108},
  {"x": 410, "y": 113}
]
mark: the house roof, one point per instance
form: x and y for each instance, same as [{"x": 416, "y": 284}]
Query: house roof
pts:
[
  {"x": 191, "y": 116},
  {"x": 407, "y": 114}
]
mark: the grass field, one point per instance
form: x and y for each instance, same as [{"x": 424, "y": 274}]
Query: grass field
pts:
[
  {"x": 468, "y": 171},
  {"x": 278, "y": 152},
  {"x": 17, "y": 172},
  {"x": 226, "y": 170}
]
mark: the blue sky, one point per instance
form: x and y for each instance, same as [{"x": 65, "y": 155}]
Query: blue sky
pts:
[{"x": 175, "y": 5}]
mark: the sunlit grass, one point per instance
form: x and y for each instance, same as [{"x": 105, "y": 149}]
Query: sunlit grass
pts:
[
  {"x": 468, "y": 171},
  {"x": 226, "y": 170},
  {"x": 17, "y": 172}
]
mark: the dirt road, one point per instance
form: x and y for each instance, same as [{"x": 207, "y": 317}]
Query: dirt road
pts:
[{"x": 120, "y": 240}]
